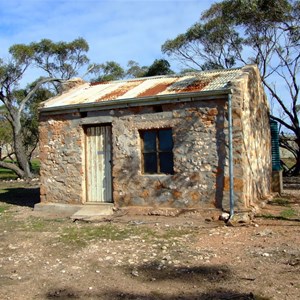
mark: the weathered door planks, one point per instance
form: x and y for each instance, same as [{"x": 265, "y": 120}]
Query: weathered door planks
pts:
[{"x": 98, "y": 164}]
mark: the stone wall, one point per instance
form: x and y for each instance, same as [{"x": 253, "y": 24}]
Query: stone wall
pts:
[
  {"x": 251, "y": 140},
  {"x": 61, "y": 144},
  {"x": 199, "y": 156},
  {"x": 200, "y": 136}
]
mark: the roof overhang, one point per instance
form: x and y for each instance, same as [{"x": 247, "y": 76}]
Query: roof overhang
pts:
[{"x": 134, "y": 102}]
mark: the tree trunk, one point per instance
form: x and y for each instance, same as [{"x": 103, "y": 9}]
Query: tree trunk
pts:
[
  {"x": 21, "y": 156},
  {"x": 20, "y": 150},
  {"x": 296, "y": 170}
]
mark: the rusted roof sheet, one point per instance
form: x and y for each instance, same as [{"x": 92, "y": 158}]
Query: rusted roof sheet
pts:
[{"x": 145, "y": 87}]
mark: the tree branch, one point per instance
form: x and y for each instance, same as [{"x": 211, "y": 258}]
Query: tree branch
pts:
[
  {"x": 283, "y": 123},
  {"x": 33, "y": 91},
  {"x": 12, "y": 167}
]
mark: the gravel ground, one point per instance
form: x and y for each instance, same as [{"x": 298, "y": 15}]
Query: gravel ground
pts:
[{"x": 145, "y": 257}]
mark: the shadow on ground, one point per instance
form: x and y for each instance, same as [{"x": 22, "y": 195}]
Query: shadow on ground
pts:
[
  {"x": 210, "y": 295},
  {"x": 21, "y": 196},
  {"x": 68, "y": 293},
  {"x": 149, "y": 277},
  {"x": 191, "y": 275}
]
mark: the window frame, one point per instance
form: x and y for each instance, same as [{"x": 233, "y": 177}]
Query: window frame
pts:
[{"x": 157, "y": 151}]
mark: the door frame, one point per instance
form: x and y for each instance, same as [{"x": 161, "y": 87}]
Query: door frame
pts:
[{"x": 110, "y": 165}]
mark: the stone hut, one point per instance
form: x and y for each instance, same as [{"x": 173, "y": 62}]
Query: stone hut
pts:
[{"x": 158, "y": 142}]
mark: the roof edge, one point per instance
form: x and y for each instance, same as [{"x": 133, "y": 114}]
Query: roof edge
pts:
[{"x": 159, "y": 99}]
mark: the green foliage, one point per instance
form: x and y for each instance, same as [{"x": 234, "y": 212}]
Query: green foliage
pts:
[
  {"x": 60, "y": 61},
  {"x": 107, "y": 71},
  {"x": 5, "y": 132},
  {"x": 205, "y": 46},
  {"x": 134, "y": 70},
  {"x": 253, "y": 13},
  {"x": 159, "y": 67},
  {"x": 30, "y": 118},
  {"x": 111, "y": 70},
  {"x": 21, "y": 53},
  {"x": 237, "y": 32},
  {"x": 269, "y": 28}
]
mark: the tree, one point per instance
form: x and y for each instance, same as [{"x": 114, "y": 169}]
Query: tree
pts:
[
  {"x": 236, "y": 32},
  {"x": 6, "y": 141},
  {"x": 112, "y": 70},
  {"x": 107, "y": 71},
  {"x": 60, "y": 61},
  {"x": 30, "y": 117},
  {"x": 159, "y": 67},
  {"x": 134, "y": 70}
]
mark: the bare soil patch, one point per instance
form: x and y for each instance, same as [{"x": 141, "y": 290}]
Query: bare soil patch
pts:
[{"x": 127, "y": 256}]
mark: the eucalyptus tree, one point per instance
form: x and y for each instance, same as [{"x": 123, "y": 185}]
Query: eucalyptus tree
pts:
[
  {"x": 107, "y": 71},
  {"x": 112, "y": 70},
  {"x": 134, "y": 70},
  {"x": 159, "y": 67},
  {"x": 237, "y": 32},
  {"x": 58, "y": 62}
]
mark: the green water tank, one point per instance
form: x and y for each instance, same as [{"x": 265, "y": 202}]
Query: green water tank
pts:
[{"x": 275, "y": 146}]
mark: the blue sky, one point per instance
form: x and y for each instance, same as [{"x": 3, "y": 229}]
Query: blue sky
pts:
[{"x": 119, "y": 30}]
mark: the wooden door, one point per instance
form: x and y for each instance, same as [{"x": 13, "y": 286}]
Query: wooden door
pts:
[{"x": 98, "y": 164}]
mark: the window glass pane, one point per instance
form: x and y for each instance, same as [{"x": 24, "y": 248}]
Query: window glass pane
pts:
[
  {"x": 149, "y": 141},
  {"x": 150, "y": 163},
  {"x": 166, "y": 162},
  {"x": 165, "y": 140}
]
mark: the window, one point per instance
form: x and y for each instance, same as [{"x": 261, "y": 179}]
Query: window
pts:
[{"x": 157, "y": 155}]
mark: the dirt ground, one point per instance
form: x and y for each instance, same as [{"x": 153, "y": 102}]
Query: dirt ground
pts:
[{"x": 126, "y": 256}]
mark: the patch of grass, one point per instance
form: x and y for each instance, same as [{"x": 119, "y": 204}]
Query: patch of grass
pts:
[
  {"x": 268, "y": 216},
  {"x": 279, "y": 201},
  {"x": 176, "y": 232},
  {"x": 3, "y": 208},
  {"x": 8, "y": 222},
  {"x": 35, "y": 165},
  {"x": 72, "y": 236},
  {"x": 288, "y": 213},
  {"x": 41, "y": 224},
  {"x": 144, "y": 232},
  {"x": 6, "y": 174},
  {"x": 80, "y": 236},
  {"x": 36, "y": 224}
]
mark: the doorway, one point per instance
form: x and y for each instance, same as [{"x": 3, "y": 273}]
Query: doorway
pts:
[{"x": 98, "y": 164}]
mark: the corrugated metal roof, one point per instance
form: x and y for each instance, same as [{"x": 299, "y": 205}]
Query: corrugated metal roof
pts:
[{"x": 145, "y": 87}]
